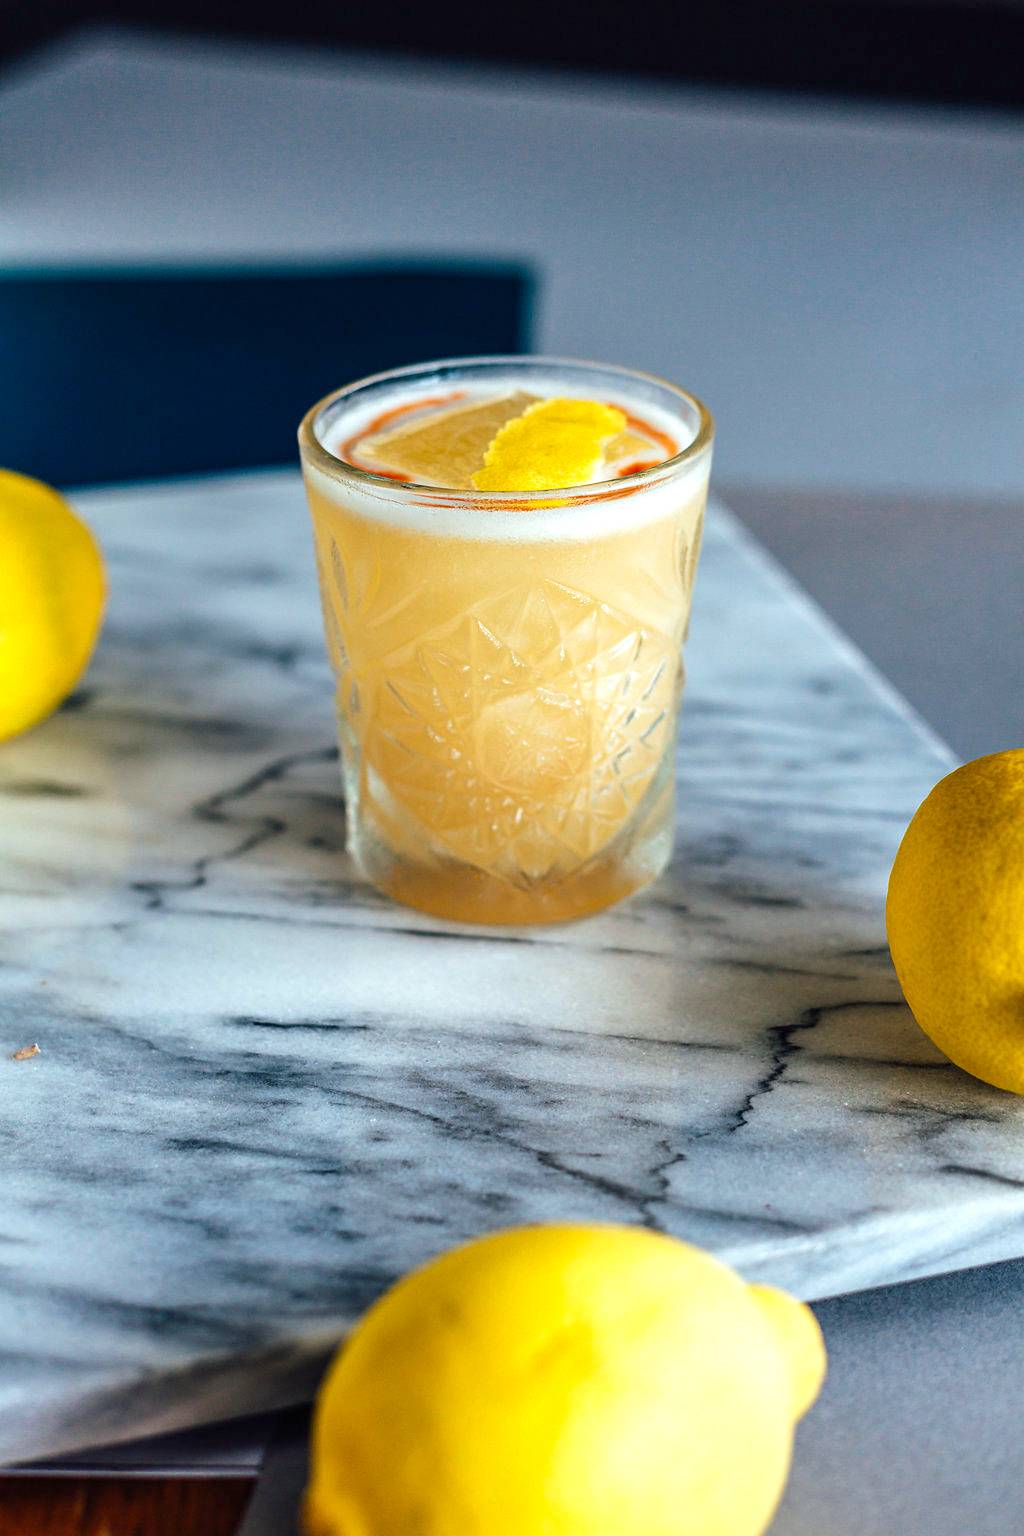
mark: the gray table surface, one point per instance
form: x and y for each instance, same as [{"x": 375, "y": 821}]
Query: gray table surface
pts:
[
  {"x": 856, "y": 256},
  {"x": 916, "y": 1431}
]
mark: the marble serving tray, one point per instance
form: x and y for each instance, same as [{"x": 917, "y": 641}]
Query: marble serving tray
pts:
[{"x": 263, "y": 1091}]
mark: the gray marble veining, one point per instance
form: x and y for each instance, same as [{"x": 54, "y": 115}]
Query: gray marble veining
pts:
[{"x": 264, "y": 1091}]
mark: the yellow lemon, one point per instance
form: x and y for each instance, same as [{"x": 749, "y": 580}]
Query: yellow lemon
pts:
[
  {"x": 955, "y": 917},
  {"x": 564, "y": 1381},
  {"x": 51, "y": 600},
  {"x": 551, "y": 445}
]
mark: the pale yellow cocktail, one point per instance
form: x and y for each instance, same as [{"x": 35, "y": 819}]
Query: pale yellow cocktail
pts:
[{"x": 509, "y": 666}]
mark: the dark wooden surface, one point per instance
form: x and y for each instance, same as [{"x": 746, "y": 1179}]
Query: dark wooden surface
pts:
[{"x": 101, "y": 1506}]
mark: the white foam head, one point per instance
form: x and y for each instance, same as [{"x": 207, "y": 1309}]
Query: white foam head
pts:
[{"x": 584, "y": 512}]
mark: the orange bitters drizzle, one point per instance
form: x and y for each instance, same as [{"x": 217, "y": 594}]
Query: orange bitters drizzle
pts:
[{"x": 349, "y": 450}]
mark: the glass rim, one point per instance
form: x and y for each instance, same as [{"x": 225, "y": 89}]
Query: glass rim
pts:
[{"x": 340, "y": 469}]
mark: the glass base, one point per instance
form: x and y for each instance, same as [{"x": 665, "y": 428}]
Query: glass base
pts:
[{"x": 463, "y": 893}]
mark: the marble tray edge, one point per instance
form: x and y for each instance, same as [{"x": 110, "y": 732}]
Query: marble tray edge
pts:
[
  {"x": 211, "y": 1391},
  {"x": 286, "y": 1374},
  {"x": 887, "y": 692}
]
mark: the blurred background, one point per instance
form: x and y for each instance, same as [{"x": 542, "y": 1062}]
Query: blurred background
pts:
[
  {"x": 958, "y": 51},
  {"x": 811, "y": 214}
]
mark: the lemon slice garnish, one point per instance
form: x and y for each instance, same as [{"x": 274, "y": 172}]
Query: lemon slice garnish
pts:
[
  {"x": 630, "y": 445},
  {"x": 551, "y": 446},
  {"x": 445, "y": 447}
]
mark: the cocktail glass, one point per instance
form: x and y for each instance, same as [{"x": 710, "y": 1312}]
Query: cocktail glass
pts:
[{"x": 509, "y": 666}]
